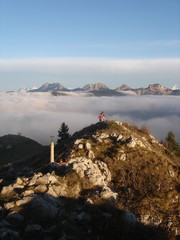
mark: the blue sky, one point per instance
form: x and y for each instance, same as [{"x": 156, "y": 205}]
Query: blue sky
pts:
[{"x": 65, "y": 40}]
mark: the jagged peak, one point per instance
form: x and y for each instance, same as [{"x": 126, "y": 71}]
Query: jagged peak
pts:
[
  {"x": 100, "y": 89},
  {"x": 155, "y": 86},
  {"x": 51, "y": 85},
  {"x": 124, "y": 87},
  {"x": 95, "y": 87}
]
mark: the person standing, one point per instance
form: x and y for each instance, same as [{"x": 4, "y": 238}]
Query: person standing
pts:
[{"x": 101, "y": 117}]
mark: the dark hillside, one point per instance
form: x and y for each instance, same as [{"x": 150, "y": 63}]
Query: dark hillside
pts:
[{"x": 15, "y": 148}]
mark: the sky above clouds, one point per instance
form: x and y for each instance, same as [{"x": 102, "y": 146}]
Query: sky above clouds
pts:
[{"x": 80, "y": 42}]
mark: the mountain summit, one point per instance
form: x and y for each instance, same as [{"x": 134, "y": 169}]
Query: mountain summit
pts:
[
  {"x": 95, "y": 87},
  {"x": 100, "y": 89},
  {"x": 50, "y": 87},
  {"x": 116, "y": 181}
]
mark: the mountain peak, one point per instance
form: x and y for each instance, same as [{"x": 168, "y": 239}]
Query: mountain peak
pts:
[
  {"x": 95, "y": 87},
  {"x": 100, "y": 89},
  {"x": 49, "y": 87}
]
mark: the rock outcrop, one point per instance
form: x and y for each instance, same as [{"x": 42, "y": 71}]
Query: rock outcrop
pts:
[{"x": 118, "y": 182}]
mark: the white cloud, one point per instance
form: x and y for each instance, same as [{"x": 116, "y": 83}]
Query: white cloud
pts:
[{"x": 39, "y": 117}]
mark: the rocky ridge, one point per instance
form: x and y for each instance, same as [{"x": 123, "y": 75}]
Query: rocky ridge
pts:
[
  {"x": 50, "y": 87},
  {"x": 117, "y": 182},
  {"x": 100, "y": 89}
]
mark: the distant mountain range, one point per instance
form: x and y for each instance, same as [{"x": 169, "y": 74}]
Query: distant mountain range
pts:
[{"x": 100, "y": 89}]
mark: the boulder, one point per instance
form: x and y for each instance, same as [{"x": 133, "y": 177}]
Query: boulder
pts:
[
  {"x": 96, "y": 173},
  {"x": 7, "y": 190}
]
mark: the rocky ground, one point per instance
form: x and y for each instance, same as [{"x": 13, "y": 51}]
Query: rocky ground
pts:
[{"x": 115, "y": 182}]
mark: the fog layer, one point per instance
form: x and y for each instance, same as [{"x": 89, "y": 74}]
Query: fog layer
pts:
[{"x": 39, "y": 117}]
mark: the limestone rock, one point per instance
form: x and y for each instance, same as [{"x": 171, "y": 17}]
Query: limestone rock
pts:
[
  {"x": 19, "y": 181},
  {"x": 106, "y": 174},
  {"x": 9, "y": 205},
  {"x": 96, "y": 173},
  {"x": 52, "y": 179},
  {"x": 52, "y": 192},
  {"x": 42, "y": 180},
  {"x": 28, "y": 193},
  {"x": 88, "y": 146},
  {"x": 123, "y": 157},
  {"x": 23, "y": 201},
  {"x": 40, "y": 189},
  {"x": 34, "y": 179},
  {"x": 132, "y": 143},
  {"x": 7, "y": 190},
  {"x": 108, "y": 194},
  {"x": 91, "y": 154}
]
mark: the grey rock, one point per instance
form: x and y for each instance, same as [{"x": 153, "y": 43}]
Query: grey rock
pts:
[
  {"x": 41, "y": 210},
  {"x": 108, "y": 194},
  {"x": 96, "y": 172},
  {"x": 106, "y": 174}
]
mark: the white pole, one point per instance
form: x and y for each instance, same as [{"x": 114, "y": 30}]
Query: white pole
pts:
[{"x": 52, "y": 152}]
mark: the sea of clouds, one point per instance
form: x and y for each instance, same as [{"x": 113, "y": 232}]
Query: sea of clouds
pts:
[{"x": 40, "y": 116}]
